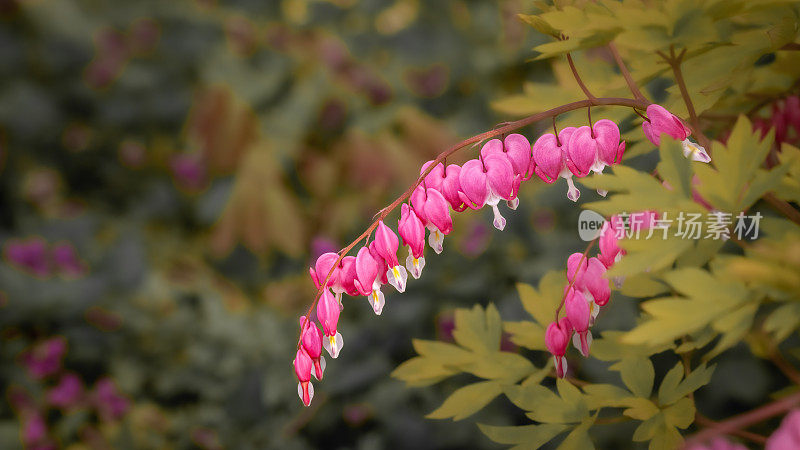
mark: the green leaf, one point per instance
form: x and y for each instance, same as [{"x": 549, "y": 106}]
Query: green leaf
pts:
[
  {"x": 675, "y": 168},
  {"x": 526, "y": 334},
  {"x": 606, "y": 395},
  {"x": 503, "y": 366},
  {"x": 578, "y": 439},
  {"x": 421, "y": 371},
  {"x": 671, "y": 390},
  {"x": 467, "y": 400},
  {"x": 637, "y": 374},
  {"x": 681, "y": 414},
  {"x": 543, "y": 405},
  {"x": 541, "y": 303},
  {"x": 531, "y": 436},
  {"x": 783, "y": 321},
  {"x": 478, "y": 330},
  {"x": 539, "y": 24}
]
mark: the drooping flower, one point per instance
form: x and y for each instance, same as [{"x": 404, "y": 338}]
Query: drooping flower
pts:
[
  {"x": 580, "y": 317},
  {"x": 576, "y": 267},
  {"x": 660, "y": 121},
  {"x": 591, "y": 149},
  {"x": 451, "y": 188},
  {"x": 368, "y": 267},
  {"x": 434, "y": 179},
  {"x": 302, "y": 368},
  {"x": 550, "y": 159},
  {"x": 386, "y": 245},
  {"x": 328, "y": 315},
  {"x": 431, "y": 208},
  {"x": 412, "y": 231},
  {"x": 486, "y": 181},
  {"x": 556, "y": 339},
  {"x": 311, "y": 339},
  {"x": 596, "y": 285},
  {"x": 517, "y": 150},
  {"x": 322, "y": 267},
  {"x": 347, "y": 276}
]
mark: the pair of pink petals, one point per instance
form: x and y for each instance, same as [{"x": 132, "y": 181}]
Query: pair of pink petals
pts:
[
  {"x": 591, "y": 149},
  {"x": 556, "y": 339},
  {"x": 446, "y": 181},
  {"x": 486, "y": 181},
  {"x": 412, "y": 231},
  {"x": 579, "y": 314},
  {"x": 550, "y": 159}
]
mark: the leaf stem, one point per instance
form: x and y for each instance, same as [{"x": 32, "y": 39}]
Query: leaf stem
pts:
[
  {"x": 634, "y": 88},
  {"x": 578, "y": 79},
  {"x": 783, "y": 207},
  {"x": 601, "y": 101}
]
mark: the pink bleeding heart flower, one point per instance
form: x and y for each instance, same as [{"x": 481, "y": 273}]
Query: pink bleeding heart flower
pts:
[
  {"x": 487, "y": 181},
  {"x": 451, "y": 188},
  {"x": 302, "y": 368},
  {"x": 556, "y": 339},
  {"x": 368, "y": 267},
  {"x": 431, "y": 208},
  {"x": 322, "y": 267},
  {"x": 660, "y": 121},
  {"x": 607, "y": 135},
  {"x": 576, "y": 267},
  {"x": 412, "y": 231},
  {"x": 328, "y": 314},
  {"x": 386, "y": 245},
  {"x": 582, "y": 151},
  {"x": 347, "y": 275},
  {"x": 610, "y": 252},
  {"x": 596, "y": 285},
  {"x": 550, "y": 159},
  {"x": 787, "y": 436},
  {"x": 311, "y": 339},
  {"x": 434, "y": 179},
  {"x": 67, "y": 393},
  {"x": 580, "y": 317},
  {"x": 517, "y": 150}
]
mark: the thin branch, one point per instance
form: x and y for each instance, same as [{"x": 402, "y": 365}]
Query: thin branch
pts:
[
  {"x": 708, "y": 423},
  {"x": 604, "y": 101},
  {"x": 637, "y": 94},
  {"x": 784, "y": 366},
  {"x": 675, "y": 64},
  {"x": 783, "y": 207},
  {"x": 791, "y": 46},
  {"x": 578, "y": 79},
  {"x": 744, "y": 420}
]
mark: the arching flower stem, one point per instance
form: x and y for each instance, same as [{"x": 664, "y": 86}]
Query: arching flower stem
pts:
[{"x": 511, "y": 126}]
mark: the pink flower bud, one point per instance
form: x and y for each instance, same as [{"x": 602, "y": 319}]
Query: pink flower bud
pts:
[
  {"x": 580, "y": 316},
  {"x": 518, "y": 150},
  {"x": 368, "y": 267},
  {"x": 302, "y": 368},
  {"x": 660, "y": 121},
  {"x": 596, "y": 284},
  {"x": 347, "y": 275},
  {"x": 608, "y": 243},
  {"x": 607, "y": 135},
  {"x": 323, "y": 267},
  {"x": 576, "y": 267},
  {"x": 386, "y": 244},
  {"x": 311, "y": 339},
  {"x": 787, "y": 436},
  {"x": 413, "y": 233},
  {"x": 328, "y": 313},
  {"x": 556, "y": 339}
]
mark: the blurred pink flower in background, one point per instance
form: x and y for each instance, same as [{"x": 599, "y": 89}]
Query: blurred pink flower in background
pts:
[
  {"x": 67, "y": 393},
  {"x": 476, "y": 240},
  {"x": 34, "y": 432},
  {"x": 189, "y": 171},
  {"x": 28, "y": 254},
  {"x": 787, "y": 436},
  {"x": 44, "y": 359},
  {"x": 322, "y": 244},
  {"x": 110, "y": 403},
  {"x": 718, "y": 443},
  {"x": 66, "y": 260}
]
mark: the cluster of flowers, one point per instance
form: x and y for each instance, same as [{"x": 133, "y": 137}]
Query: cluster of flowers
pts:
[
  {"x": 34, "y": 256},
  {"x": 43, "y": 362},
  {"x": 494, "y": 176},
  {"x": 589, "y": 290}
]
